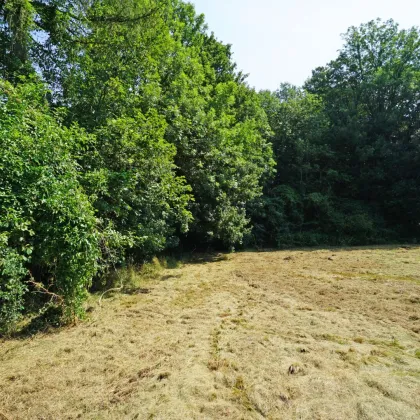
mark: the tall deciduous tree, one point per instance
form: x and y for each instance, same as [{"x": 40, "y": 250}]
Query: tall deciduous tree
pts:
[{"x": 372, "y": 96}]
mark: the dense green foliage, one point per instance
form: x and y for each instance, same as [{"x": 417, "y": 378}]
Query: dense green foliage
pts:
[
  {"x": 347, "y": 146},
  {"x": 126, "y": 130},
  {"x": 47, "y": 223},
  {"x": 172, "y": 144}
]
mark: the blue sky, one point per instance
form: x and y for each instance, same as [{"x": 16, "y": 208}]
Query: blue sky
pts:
[{"x": 283, "y": 40}]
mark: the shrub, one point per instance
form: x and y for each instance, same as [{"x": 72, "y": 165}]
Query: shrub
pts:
[{"x": 48, "y": 234}]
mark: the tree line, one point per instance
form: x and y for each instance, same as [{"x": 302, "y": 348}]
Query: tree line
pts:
[{"x": 126, "y": 130}]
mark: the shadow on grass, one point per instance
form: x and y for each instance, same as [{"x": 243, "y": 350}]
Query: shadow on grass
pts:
[
  {"x": 206, "y": 258},
  {"x": 49, "y": 321},
  {"x": 336, "y": 248}
]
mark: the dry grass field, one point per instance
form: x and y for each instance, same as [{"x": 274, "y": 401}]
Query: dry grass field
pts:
[{"x": 306, "y": 334}]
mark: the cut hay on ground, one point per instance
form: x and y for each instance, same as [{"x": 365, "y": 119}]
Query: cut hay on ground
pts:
[{"x": 318, "y": 334}]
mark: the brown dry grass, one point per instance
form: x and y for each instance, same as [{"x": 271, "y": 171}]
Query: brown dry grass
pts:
[{"x": 316, "y": 334}]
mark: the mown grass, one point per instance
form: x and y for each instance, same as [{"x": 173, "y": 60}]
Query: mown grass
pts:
[{"x": 276, "y": 335}]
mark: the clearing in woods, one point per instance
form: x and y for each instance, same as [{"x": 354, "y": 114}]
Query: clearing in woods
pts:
[{"x": 306, "y": 334}]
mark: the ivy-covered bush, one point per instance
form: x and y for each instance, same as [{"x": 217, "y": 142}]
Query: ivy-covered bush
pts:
[{"x": 48, "y": 237}]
